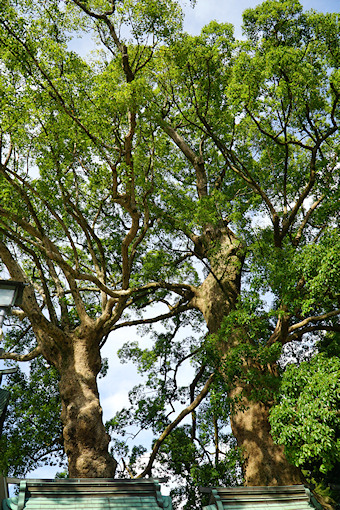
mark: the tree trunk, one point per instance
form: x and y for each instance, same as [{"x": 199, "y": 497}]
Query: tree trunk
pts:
[
  {"x": 85, "y": 439},
  {"x": 265, "y": 462},
  {"x": 217, "y": 295}
]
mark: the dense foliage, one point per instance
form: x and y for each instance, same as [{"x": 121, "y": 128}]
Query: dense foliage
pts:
[
  {"x": 33, "y": 432},
  {"x": 306, "y": 420},
  {"x": 196, "y": 173}
]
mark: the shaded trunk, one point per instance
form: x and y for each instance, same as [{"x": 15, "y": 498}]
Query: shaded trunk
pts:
[
  {"x": 265, "y": 462},
  {"x": 85, "y": 439}
]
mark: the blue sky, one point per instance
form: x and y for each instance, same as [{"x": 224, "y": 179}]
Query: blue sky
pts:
[{"x": 230, "y": 11}]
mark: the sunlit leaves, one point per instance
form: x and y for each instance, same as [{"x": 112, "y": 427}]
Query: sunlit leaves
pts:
[
  {"x": 158, "y": 18},
  {"x": 306, "y": 420}
]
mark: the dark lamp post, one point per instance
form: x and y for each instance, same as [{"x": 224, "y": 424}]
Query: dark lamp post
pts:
[{"x": 10, "y": 295}]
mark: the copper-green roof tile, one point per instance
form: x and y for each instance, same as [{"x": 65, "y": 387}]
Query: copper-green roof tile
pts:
[
  {"x": 294, "y": 497},
  {"x": 94, "y": 494}
]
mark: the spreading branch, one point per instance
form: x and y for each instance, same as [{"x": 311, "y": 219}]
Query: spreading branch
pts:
[
  {"x": 171, "y": 426},
  {"x": 314, "y": 318},
  {"x": 22, "y": 357}
]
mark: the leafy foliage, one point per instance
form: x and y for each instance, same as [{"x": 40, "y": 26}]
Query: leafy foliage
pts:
[
  {"x": 202, "y": 453},
  {"x": 306, "y": 419},
  {"x": 32, "y": 434}
]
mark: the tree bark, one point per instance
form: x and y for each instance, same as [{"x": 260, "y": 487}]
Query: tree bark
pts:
[
  {"x": 217, "y": 295},
  {"x": 264, "y": 462},
  {"x": 85, "y": 439}
]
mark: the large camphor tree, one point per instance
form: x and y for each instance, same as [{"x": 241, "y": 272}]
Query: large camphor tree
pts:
[
  {"x": 76, "y": 174},
  {"x": 257, "y": 126},
  {"x": 253, "y": 129},
  {"x": 165, "y": 150}
]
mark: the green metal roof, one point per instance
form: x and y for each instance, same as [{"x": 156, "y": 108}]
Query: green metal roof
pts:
[
  {"x": 291, "y": 497},
  {"x": 85, "y": 494}
]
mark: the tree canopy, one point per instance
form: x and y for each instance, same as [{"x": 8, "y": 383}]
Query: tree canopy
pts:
[{"x": 198, "y": 173}]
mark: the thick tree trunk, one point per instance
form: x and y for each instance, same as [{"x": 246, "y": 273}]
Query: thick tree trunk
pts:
[
  {"x": 218, "y": 293},
  {"x": 85, "y": 439},
  {"x": 265, "y": 462}
]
